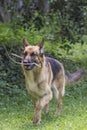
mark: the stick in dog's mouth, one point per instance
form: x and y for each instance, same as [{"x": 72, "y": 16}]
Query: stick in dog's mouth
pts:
[{"x": 21, "y": 63}]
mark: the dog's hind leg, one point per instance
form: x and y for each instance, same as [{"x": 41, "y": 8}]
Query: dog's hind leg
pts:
[
  {"x": 46, "y": 108},
  {"x": 60, "y": 84}
]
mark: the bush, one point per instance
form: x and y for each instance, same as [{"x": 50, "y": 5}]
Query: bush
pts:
[{"x": 12, "y": 38}]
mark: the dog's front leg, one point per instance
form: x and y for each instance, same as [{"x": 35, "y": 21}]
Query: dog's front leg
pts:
[{"x": 40, "y": 105}]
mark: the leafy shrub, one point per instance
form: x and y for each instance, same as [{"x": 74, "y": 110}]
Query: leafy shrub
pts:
[{"x": 12, "y": 38}]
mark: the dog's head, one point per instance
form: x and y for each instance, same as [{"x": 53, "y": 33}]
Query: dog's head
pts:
[{"x": 32, "y": 54}]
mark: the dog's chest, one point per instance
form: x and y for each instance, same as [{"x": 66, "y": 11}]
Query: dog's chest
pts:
[{"x": 36, "y": 85}]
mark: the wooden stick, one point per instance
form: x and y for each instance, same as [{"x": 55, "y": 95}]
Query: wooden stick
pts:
[{"x": 16, "y": 55}]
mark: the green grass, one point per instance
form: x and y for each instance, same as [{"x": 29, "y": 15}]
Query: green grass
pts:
[{"x": 16, "y": 110}]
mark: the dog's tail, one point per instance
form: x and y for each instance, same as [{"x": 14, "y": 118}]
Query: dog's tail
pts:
[{"x": 72, "y": 78}]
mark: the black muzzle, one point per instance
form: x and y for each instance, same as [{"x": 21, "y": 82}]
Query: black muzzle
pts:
[{"x": 29, "y": 64}]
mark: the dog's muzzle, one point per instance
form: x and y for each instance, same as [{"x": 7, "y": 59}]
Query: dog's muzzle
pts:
[{"x": 29, "y": 65}]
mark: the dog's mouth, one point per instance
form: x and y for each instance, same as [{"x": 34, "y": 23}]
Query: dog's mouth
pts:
[{"x": 29, "y": 66}]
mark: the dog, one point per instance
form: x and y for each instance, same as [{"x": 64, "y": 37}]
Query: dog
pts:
[{"x": 45, "y": 78}]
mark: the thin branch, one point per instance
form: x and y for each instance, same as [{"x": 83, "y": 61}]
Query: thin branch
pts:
[{"x": 16, "y": 55}]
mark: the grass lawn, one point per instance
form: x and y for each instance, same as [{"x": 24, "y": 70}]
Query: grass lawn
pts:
[{"x": 16, "y": 110}]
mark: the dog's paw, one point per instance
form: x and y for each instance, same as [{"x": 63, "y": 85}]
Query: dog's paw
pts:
[
  {"x": 36, "y": 120},
  {"x": 57, "y": 113}
]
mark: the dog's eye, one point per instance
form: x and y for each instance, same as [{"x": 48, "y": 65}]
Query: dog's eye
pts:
[{"x": 33, "y": 54}]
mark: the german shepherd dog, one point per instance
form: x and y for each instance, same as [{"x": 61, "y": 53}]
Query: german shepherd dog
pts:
[{"x": 45, "y": 78}]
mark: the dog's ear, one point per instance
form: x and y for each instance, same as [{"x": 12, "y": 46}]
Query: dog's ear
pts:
[
  {"x": 25, "y": 42},
  {"x": 41, "y": 44}
]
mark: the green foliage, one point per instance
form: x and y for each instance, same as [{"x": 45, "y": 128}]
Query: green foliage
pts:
[
  {"x": 67, "y": 18},
  {"x": 6, "y": 33},
  {"x": 10, "y": 72},
  {"x": 11, "y": 35}
]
